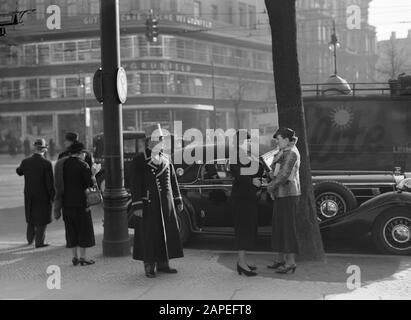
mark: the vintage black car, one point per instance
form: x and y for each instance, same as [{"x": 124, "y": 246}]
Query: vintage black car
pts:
[{"x": 351, "y": 204}]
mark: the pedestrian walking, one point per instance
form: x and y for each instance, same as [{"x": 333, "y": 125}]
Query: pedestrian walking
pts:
[
  {"x": 156, "y": 200},
  {"x": 244, "y": 195},
  {"x": 70, "y": 138},
  {"x": 26, "y": 147},
  {"x": 38, "y": 193},
  {"x": 285, "y": 190},
  {"x": 73, "y": 178}
]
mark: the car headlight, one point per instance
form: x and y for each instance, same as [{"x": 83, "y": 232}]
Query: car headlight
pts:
[
  {"x": 180, "y": 172},
  {"x": 404, "y": 185}
]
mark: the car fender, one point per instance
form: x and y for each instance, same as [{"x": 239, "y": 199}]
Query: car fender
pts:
[{"x": 360, "y": 221}]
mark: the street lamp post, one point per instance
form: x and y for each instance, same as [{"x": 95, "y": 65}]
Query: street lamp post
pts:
[
  {"x": 333, "y": 46},
  {"x": 116, "y": 240}
]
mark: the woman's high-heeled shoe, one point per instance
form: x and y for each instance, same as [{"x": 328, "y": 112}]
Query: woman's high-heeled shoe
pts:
[
  {"x": 246, "y": 272},
  {"x": 84, "y": 262},
  {"x": 286, "y": 269},
  {"x": 252, "y": 268},
  {"x": 276, "y": 265},
  {"x": 75, "y": 261}
]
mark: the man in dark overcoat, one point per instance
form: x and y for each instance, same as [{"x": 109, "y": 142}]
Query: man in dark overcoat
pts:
[
  {"x": 156, "y": 203},
  {"x": 38, "y": 193}
]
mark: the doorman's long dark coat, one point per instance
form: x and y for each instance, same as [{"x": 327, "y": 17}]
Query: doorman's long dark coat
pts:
[
  {"x": 38, "y": 189},
  {"x": 154, "y": 189}
]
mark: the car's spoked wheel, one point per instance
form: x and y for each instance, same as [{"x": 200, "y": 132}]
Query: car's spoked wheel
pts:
[
  {"x": 329, "y": 205},
  {"x": 397, "y": 233}
]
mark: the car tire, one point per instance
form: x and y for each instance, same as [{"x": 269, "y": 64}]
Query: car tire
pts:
[
  {"x": 332, "y": 199},
  {"x": 391, "y": 232}
]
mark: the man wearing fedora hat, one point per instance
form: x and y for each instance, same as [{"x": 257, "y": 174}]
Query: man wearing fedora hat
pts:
[
  {"x": 38, "y": 192},
  {"x": 156, "y": 203}
]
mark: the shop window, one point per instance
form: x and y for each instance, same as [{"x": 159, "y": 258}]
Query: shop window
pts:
[
  {"x": 197, "y": 9},
  {"x": 30, "y": 55},
  {"x": 18, "y": 90},
  {"x": 126, "y": 47},
  {"x": 94, "y": 6},
  {"x": 40, "y": 9},
  {"x": 6, "y": 88},
  {"x": 142, "y": 47},
  {"x": 44, "y": 88},
  {"x": 252, "y": 12},
  {"x": 57, "y": 88},
  {"x": 134, "y": 83},
  {"x": 189, "y": 50},
  {"x": 70, "y": 51},
  {"x": 71, "y": 8},
  {"x": 180, "y": 49},
  {"x": 40, "y": 126},
  {"x": 150, "y": 118},
  {"x": 129, "y": 124},
  {"x": 201, "y": 52},
  {"x": 214, "y": 12},
  {"x": 170, "y": 47},
  {"x": 14, "y": 55},
  {"x": 31, "y": 89},
  {"x": 156, "y": 49},
  {"x": 84, "y": 50},
  {"x": 158, "y": 83},
  {"x": 72, "y": 87},
  {"x": 95, "y": 50},
  {"x": 44, "y": 53},
  {"x": 182, "y": 85},
  {"x": 57, "y": 52},
  {"x": 145, "y": 84}
]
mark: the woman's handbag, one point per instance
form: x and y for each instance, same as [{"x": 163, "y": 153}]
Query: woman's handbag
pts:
[{"x": 93, "y": 196}]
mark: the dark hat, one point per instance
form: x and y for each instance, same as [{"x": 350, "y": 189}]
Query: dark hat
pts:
[
  {"x": 40, "y": 144},
  {"x": 76, "y": 147},
  {"x": 72, "y": 136}
]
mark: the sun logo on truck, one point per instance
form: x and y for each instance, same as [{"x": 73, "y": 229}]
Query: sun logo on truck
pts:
[{"x": 342, "y": 117}]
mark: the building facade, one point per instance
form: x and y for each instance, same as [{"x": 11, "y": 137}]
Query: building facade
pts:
[
  {"x": 196, "y": 64},
  {"x": 394, "y": 57},
  {"x": 210, "y": 53},
  {"x": 356, "y": 57}
]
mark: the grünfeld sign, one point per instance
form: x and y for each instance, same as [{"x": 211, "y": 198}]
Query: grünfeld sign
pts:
[{"x": 174, "y": 18}]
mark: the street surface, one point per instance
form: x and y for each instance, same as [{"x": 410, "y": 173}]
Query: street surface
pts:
[{"x": 206, "y": 272}]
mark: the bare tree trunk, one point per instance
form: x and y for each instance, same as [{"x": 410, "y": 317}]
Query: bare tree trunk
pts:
[{"x": 282, "y": 15}]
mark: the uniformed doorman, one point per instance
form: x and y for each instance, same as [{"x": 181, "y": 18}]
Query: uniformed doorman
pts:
[{"x": 156, "y": 203}]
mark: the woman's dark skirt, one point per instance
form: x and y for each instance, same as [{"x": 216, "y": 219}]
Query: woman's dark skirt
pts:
[
  {"x": 246, "y": 224},
  {"x": 79, "y": 228},
  {"x": 284, "y": 232}
]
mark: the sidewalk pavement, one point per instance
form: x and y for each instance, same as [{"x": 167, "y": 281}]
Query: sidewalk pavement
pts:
[{"x": 203, "y": 274}]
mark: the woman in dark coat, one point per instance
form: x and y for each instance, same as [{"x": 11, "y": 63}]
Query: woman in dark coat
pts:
[
  {"x": 285, "y": 190},
  {"x": 244, "y": 195},
  {"x": 77, "y": 177},
  {"x": 156, "y": 199},
  {"x": 38, "y": 193}
]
